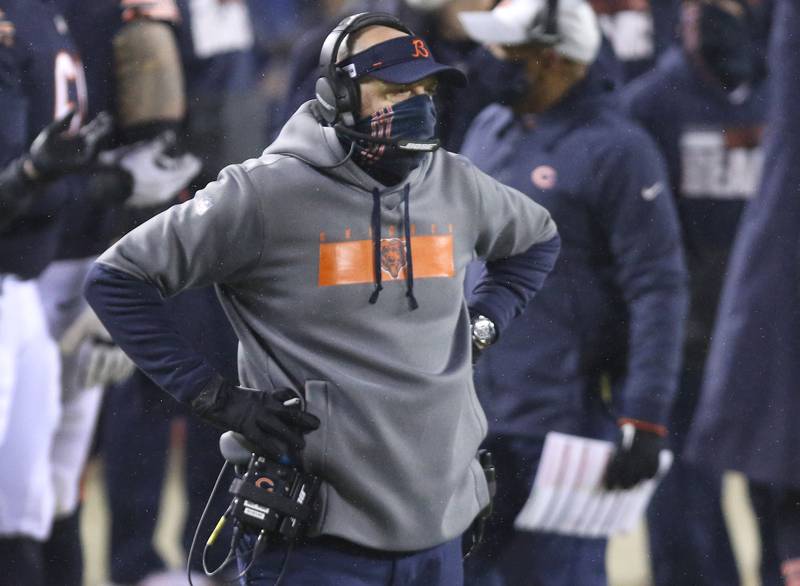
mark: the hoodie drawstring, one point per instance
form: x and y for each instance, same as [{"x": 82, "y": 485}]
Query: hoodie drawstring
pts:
[
  {"x": 376, "y": 248},
  {"x": 412, "y": 301},
  {"x": 376, "y": 245}
]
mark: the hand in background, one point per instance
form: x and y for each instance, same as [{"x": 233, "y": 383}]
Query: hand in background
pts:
[
  {"x": 637, "y": 454},
  {"x": 57, "y": 151}
]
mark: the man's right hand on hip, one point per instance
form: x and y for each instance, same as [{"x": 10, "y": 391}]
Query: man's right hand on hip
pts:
[{"x": 260, "y": 416}]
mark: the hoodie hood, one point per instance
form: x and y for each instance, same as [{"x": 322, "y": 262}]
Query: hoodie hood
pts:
[{"x": 305, "y": 138}]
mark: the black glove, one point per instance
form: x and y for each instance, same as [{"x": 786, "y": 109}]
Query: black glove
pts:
[
  {"x": 259, "y": 416},
  {"x": 637, "y": 454},
  {"x": 56, "y": 152}
]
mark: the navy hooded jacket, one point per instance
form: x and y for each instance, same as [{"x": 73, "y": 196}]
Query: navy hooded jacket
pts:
[{"x": 616, "y": 300}]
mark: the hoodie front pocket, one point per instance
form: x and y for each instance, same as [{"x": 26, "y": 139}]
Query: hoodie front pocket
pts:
[
  {"x": 318, "y": 403},
  {"x": 315, "y": 454}
]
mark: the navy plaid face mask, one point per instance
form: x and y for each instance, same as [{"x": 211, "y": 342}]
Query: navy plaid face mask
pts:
[{"x": 414, "y": 118}]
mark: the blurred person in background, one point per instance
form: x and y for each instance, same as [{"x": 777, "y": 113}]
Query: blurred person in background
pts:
[
  {"x": 638, "y": 32},
  {"x": 612, "y": 314},
  {"x": 136, "y": 69},
  {"x": 225, "y": 111},
  {"x": 705, "y": 105},
  {"x": 41, "y": 79},
  {"x": 280, "y": 29},
  {"x": 748, "y": 409},
  {"x": 276, "y": 24}
]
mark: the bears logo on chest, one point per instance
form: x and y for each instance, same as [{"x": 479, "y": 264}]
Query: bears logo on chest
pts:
[{"x": 393, "y": 256}]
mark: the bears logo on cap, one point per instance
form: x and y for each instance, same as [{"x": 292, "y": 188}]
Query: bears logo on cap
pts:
[{"x": 420, "y": 50}]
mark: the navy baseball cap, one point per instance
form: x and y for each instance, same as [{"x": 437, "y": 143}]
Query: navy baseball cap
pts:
[{"x": 401, "y": 60}]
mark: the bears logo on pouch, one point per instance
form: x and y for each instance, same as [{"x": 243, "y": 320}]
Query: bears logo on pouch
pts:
[
  {"x": 266, "y": 483},
  {"x": 393, "y": 256}
]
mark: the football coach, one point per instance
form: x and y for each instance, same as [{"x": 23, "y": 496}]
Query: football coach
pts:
[{"x": 339, "y": 257}]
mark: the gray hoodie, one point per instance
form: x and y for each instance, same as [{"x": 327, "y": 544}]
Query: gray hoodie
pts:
[{"x": 290, "y": 250}]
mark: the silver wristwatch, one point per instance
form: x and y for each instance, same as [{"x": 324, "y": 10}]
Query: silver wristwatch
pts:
[{"x": 483, "y": 332}]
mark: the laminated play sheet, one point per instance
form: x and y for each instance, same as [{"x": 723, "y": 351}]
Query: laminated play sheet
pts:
[{"x": 568, "y": 496}]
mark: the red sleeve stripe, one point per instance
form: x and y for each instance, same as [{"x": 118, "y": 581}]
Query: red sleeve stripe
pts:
[{"x": 644, "y": 426}]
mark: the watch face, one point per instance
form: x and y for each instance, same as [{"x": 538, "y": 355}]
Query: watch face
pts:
[{"x": 483, "y": 331}]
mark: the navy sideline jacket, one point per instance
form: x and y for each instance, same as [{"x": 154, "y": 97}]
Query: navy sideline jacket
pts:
[{"x": 616, "y": 300}]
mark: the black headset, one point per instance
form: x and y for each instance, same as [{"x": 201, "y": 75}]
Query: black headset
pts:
[{"x": 337, "y": 94}]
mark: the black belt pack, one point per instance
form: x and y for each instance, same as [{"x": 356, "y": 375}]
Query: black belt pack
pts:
[{"x": 276, "y": 498}]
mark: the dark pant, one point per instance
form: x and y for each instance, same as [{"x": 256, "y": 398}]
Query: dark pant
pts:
[
  {"x": 137, "y": 420},
  {"x": 777, "y": 511},
  {"x": 689, "y": 541},
  {"x": 334, "y": 562},
  {"x": 21, "y": 561},
  {"x": 63, "y": 554},
  {"x": 57, "y": 561},
  {"x": 521, "y": 558}
]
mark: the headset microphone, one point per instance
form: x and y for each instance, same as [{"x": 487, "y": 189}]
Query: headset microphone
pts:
[{"x": 405, "y": 144}]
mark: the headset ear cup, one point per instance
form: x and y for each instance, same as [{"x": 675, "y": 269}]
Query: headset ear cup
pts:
[
  {"x": 326, "y": 98},
  {"x": 349, "y": 102}
]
